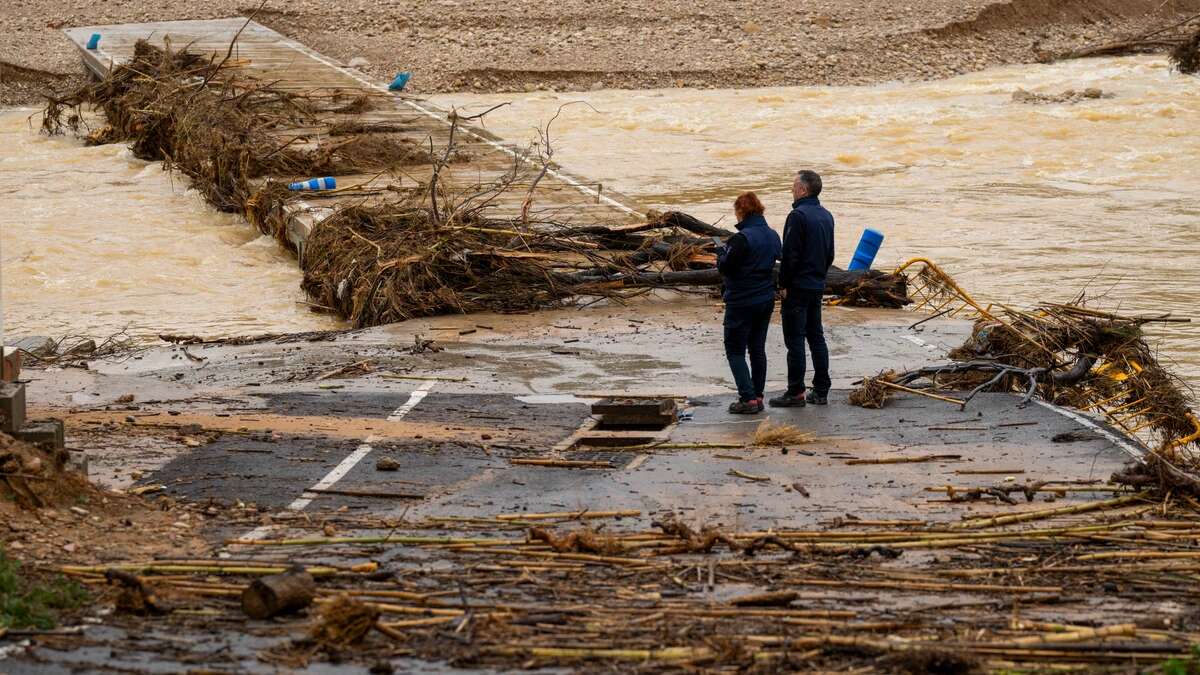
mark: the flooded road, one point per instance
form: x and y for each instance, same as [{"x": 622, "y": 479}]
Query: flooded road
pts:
[
  {"x": 1019, "y": 202},
  {"x": 96, "y": 241}
]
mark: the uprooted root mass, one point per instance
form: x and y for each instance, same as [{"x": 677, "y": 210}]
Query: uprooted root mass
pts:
[{"x": 1073, "y": 356}]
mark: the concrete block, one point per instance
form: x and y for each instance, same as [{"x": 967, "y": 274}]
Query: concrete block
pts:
[
  {"x": 635, "y": 412},
  {"x": 12, "y": 406},
  {"x": 46, "y": 434},
  {"x": 37, "y": 345},
  {"x": 77, "y": 460},
  {"x": 11, "y": 369}
]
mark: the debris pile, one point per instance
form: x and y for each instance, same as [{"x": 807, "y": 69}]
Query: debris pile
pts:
[
  {"x": 1186, "y": 56},
  {"x": 1181, "y": 40},
  {"x": 407, "y": 248},
  {"x": 1070, "y": 355},
  {"x": 75, "y": 350},
  {"x": 873, "y": 392},
  {"x": 33, "y": 478},
  {"x": 1015, "y": 589}
]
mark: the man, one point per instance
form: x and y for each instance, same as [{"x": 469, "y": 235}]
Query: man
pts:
[{"x": 807, "y": 255}]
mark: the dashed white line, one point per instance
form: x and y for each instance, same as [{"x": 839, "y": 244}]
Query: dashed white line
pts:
[
  {"x": 438, "y": 115},
  {"x": 344, "y": 467}
]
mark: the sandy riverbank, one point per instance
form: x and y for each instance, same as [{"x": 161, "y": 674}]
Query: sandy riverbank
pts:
[{"x": 484, "y": 45}]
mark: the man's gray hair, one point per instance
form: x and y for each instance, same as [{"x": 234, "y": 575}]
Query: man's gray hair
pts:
[{"x": 811, "y": 180}]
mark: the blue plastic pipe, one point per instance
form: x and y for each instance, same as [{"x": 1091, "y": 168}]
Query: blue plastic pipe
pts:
[
  {"x": 400, "y": 82},
  {"x": 326, "y": 183},
  {"x": 94, "y": 41},
  {"x": 868, "y": 246}
]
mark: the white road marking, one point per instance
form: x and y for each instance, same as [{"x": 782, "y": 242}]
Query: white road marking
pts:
[
  {"x": 334, "y": 476},
  {"x": 346, "y": 464},
  {"x": 919, "y": 342},
  {"x": 440, "y": 116},
  {"x": 1117, "y": 440},
  {"x": 1122, "y": 443}
]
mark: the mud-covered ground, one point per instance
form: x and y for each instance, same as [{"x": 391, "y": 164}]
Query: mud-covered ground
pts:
[
  {"x": 434, "y": 485},
  {"x": 485, "y": 45}
]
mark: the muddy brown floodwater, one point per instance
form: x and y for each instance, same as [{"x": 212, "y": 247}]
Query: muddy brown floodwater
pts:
[
  {"x": 1019, "y": 202},
  {"x": 95, "y": 240}
]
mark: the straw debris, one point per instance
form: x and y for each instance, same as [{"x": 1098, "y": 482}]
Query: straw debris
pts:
[
  {"x": 872, "y": 392},
  {"x": 1073, "y": 356},
  {"x": 771, "y": 434},
  {"x": 343, "y": 622}
]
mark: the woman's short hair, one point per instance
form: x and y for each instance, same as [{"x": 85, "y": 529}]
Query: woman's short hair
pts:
[{"x": 748, "y": 204}]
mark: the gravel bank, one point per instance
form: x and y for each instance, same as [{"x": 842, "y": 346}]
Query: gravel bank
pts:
[{"x": 518, "y": 45}]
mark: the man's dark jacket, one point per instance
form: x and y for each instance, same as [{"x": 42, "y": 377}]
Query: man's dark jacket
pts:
[
  {"x": 747, "y": 263},
  {"x": 807, "y": 246}
]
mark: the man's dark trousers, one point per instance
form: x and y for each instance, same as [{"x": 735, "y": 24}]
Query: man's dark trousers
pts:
[
  {"x": 801, "y": 316},
  {"x": 746, "y": 329}
]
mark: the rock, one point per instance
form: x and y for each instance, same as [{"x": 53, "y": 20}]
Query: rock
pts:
[
  {"x": 386, "y": 464},
  {"x": 32, "y": 465},
  {"x": 82, "y": 347},
  {"x": 36, "y": 345},
  {"x": 1068, "y": 96},
  {"x": 358, "y": 62}
]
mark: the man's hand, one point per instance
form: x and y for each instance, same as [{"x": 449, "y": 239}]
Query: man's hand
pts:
[{"x": 783, "y": 294}]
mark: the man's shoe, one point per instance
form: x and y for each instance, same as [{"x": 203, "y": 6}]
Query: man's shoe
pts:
[
  {"x": 786, "y": 400},
  {"x": 751, "y": 407},
  {"x": 814, "y": 398}
]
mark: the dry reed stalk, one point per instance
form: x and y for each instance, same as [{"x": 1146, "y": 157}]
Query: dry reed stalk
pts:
[
  {"x": 1009, "y": 519},
  {"x": 770, "y": 434}
]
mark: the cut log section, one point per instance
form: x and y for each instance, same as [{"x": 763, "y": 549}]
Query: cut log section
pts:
[{"x": 279, "y": 594}]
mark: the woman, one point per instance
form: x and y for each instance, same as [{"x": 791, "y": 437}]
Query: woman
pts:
[{"x": 747, "y": 266}]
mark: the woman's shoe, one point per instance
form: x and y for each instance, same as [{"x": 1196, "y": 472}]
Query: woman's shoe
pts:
[{"x": 751, "y": 407}]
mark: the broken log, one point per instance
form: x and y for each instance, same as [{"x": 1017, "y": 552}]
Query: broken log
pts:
[
  {"x": 278, "y": 594},
  {"x": 769, "y": 599},
  {"x": 694, "y": 225},
  {"x": 857, "y": 287}
]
